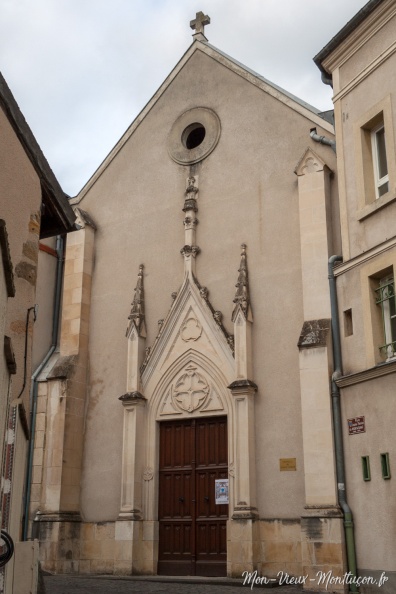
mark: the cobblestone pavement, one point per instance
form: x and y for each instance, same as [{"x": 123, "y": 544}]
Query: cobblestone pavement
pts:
[{"x": 62, "y": 584}]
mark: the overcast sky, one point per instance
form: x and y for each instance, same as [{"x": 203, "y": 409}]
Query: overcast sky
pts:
[{"x": 81, "y": 70}]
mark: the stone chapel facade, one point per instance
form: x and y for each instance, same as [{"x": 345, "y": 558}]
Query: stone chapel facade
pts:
[{"x": 206, "y": 235}]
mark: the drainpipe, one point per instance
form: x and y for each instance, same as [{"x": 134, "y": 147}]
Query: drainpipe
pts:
[
  {"x": 322, "y": 139},
  {"x": 327, "y": 79},
  {"x": 336, "y": 406},
  {"x": 34, "y": 387}
]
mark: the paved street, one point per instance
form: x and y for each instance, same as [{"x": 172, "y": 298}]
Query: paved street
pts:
[{"x": 61, "y": 584}]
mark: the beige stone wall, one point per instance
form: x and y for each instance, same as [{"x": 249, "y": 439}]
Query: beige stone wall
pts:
[
  {"x": 281, "y": 547},
  {"x": 137, "y": 203},
  {"x": 106, "y": 547},
  {"x": 20, "y": 197},
  {"x": 363, "y": 81},
  {"x": 373, "y": 502},
  {"x": 363, "y": 68},
  {"x": 20, "y": 201}
]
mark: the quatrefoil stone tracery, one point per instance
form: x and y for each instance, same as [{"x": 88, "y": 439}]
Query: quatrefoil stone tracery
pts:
[{"x": 191, "y": 390}]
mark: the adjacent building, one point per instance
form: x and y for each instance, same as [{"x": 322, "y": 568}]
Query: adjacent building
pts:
[
  {"x": 361, "y": 61},
  {"x": 32, "y": 208}
]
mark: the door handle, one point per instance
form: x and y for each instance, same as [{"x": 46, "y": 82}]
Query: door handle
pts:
[
  {"x": 181, "y": 499},
  {"x": 206, "y": 498}
]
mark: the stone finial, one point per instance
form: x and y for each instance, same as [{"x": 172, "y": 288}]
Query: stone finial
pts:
[
  {"x": 203, "y": 291},
  {"x": 242, "y": 299},
  {"x": 198, "y": 24},
  {"x": 218, "y": 316},
  {"x": 137, "y": 311}
]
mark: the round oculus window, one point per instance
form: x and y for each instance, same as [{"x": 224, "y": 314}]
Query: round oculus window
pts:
[{"x": 194, "y": 135}]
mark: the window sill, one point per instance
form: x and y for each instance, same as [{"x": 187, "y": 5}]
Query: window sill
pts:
[
  {"x": 368, "y": 374},
  {"x": 373, "y": 207}
]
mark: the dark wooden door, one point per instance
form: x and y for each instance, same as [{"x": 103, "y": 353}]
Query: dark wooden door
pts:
[{"x": 192, "y": 528}]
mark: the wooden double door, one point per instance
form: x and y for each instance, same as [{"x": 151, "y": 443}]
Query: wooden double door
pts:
[{"x": 192, "y": 527}]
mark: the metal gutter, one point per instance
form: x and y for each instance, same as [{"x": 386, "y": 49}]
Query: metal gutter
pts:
[
  {"x": 337, "y": 425},
  {"x": 34, "y": 387},
  {"x": 343, "y": 34}
]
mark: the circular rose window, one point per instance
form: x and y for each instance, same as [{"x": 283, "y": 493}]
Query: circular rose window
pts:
[{"x": 194, "y": 135}]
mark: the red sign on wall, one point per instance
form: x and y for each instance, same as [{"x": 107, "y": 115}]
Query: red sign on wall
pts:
[{"x": 356, "y": 425}]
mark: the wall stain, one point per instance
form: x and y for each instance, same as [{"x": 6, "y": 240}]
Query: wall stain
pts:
[
  {"x": 30, "y": 250},
  {"x": 27, "y": 271}
]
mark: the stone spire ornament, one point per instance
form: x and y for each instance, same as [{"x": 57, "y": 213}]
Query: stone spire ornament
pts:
[
  {"x": 137, "y": 311},
  {"x": 198, "y": 24},
  {"x": 189, "y": 251},
  {"x": 242, "y": 298}
]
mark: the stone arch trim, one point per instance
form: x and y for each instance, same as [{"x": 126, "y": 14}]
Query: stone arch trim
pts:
[
  {"x": 204, "y": 366},
  {"x": 155, "y": 400}
]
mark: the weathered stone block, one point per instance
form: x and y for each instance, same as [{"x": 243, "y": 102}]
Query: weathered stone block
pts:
[
  {"x": 105, "y": 531},
  {"x": 91, "y": 549}
]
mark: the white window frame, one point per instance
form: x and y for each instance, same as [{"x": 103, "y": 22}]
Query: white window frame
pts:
[
  {"x": 379, "y": 181},
  {"x": 386, "y": 292}
]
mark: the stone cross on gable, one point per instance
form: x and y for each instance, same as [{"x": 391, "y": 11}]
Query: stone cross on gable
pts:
[{"x": 198, "y": 24}]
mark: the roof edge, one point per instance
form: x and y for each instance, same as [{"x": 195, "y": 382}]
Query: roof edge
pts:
[
  {"x": 55, "y": 194},
  {"x": 240, "y": 69},
  {"x": 350, "y": 26}
]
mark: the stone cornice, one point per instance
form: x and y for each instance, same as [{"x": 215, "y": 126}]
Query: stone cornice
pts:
[
  {"x": 240, "y": 385},
  {"x": 365, "y": 257},
  {"x": 354, "y": 35},
  {"x": 58, "y": 517},
  {"x": 367, "y": 374},
  {"x": 132, "y": 397},
  {"x": 366, "y": 72}
]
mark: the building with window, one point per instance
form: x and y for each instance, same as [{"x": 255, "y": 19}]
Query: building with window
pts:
[
  {"x": 208, "y": 439},
  {"x": 361, "y": 61},
  {"x": 33, "y": 208}
]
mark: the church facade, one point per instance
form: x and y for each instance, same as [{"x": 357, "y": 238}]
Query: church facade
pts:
[{"x": 192, "y": 419}]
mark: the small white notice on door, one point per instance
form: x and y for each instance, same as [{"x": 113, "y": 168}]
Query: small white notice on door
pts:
[{"x": 221, "y": 488}]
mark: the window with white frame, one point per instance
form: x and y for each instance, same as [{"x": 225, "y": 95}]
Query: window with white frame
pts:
[
  {"x": 380, "y": 164},
  {"x": 385, "y": 298}
]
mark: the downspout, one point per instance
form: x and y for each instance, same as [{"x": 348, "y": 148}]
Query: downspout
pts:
[
  {"x": 336, "y": 406},
  {"x": 34, "y": 386},
  {"x": 327, "y": 79},
  {"x": 322, "y": 139}
]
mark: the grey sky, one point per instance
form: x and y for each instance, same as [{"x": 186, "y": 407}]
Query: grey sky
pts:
[{"x": 81, "y": 70}]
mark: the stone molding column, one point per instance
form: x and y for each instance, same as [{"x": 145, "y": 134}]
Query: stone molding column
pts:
[
  {"x": 67, "y": 381},
  {"x": 321, "y": 524},
  {"x": 190, "y": 250},
  {"x": 243, "y": 552},
  {"x": 243, "y": 392},
  {"x": 132, "y": 456}
]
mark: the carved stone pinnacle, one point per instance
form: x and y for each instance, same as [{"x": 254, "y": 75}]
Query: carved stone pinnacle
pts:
[
  {"x": 242, "y": 298},
  {"x": 137, "y": 316}
]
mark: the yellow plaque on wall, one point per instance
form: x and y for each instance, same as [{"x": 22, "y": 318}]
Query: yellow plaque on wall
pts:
[{"x": 287, "y": 464}]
